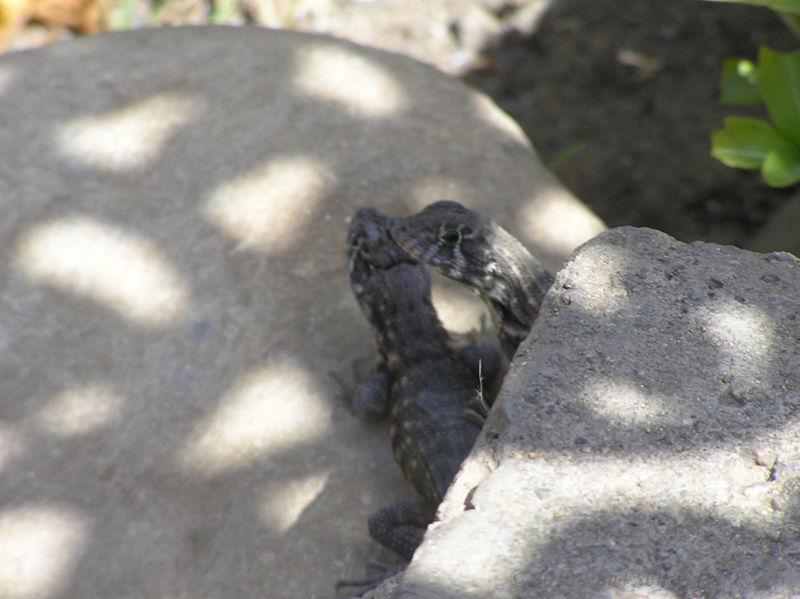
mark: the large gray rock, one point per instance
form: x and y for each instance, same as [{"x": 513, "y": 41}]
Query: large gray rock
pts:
[
  {"x": 174, "y": 305},
  {"x": 646, "y": 442}
]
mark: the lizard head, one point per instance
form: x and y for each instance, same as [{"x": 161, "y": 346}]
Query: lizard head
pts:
[
  {"x": 471, "y": 248},
  {"x": 455, "y": 240},
  {"x": 371, "y": 250}
]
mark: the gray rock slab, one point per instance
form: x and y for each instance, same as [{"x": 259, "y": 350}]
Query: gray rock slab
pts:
[
  {"x": 646, "y": 442},
  {"x": 174, "y": 305}
]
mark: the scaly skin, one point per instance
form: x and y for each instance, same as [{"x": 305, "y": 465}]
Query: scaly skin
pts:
[
  {"x": 430, "y": 388},
  {"x": 471, "y": 248}
]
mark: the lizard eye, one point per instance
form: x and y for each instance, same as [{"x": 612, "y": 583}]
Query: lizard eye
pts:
[{"x": 451, "y": 236}]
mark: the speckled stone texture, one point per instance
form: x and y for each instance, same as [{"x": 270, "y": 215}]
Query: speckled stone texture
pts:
[
  {"x": 175, "y": 313},
  {"x": 646, "y": 442}
]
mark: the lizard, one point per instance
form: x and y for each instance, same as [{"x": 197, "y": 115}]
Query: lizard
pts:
[
  {"x": 421, "y": 381},
  {"x": 471, "y": 248}
]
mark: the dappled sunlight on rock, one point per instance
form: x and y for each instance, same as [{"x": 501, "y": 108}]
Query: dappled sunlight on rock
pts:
[
  {"x": 485, "y": 570},
  {"x": 486, "y": 110},
  {"x": 6, "y": 76},
  {"x": 555, "y": 221},
  {"x": 283, "y": 505},
  {"x": 628, "y": 404},
  {"x": 13, "y": 443},
  {"x": 40, "y": 545},
  {"x": 433, "y": 189},
  {"x": 687, "y": 482},
  {"x": 567, "y": 492},
  {"x": 459, "y": 309},
  {"x": 775, "y": 590},
  {"x": 126, "y": 138},
  {"x": 79, "y": 411},
  {"x": 633, "y": 587},
  {"x": 266, "y": 412},
  {"x": 269, "y": 206},
  {"x": 114, "y": 267},
  {"x": 349, "y": 79},
  {"x": 744, "y": 334},
  {"x": 602, "y": 291}
]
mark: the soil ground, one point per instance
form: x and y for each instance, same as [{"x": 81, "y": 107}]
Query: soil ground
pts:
[
  {"x": 635, "y": 86},
  {"x": 629, "y": 88}
]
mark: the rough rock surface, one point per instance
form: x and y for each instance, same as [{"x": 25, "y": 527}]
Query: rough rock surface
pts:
[
  {"x": 646, "y": 442},
  {"x": 174, "y": 305}
]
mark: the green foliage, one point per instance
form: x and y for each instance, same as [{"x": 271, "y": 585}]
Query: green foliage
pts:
[
  {"x": 122, "y": 14},
  {"x": 740, "y": 82},
  {"x": 223, "y": 11},
  {"x": 788, "y": 10},
  {"x": 752, "y": 143},
  {"x": 790, "y": 6},
  {"x": 779, "y": 78},
  {"x": 567, "y": 154}
]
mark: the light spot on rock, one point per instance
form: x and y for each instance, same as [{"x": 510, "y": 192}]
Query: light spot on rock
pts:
[
  {"x": 126, "y": 138},
  {"x": 626, "y": 403},
  {"x": 433, "y": 189},
  {"x": 39, "y": 549},
  {"x": 267, "y": 411},
  {"x": 79, "y": 411},
  {"x": 13, "y": 443},
  {"x": 555, "y": 221},
  {"x": 281, "y": 507},
  {"x": 459, "y": 309},
  {"x": 114, "y": 267},
  {"x": 268, "y": 207},
  {"x": 6, "y": 76},
  {"x": 603, "y": 289},
  {"x": 350, "y": 80},
  {"x": 742, "y": 332},
  {"x": 484, "y": 109}
]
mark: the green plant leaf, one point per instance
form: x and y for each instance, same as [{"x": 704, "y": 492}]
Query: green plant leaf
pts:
[
  {"x": 753, "y": 2},
  {"x": 781, "y": 167},
  {"x": 790, "y": 6},
  {"x": 740, "y": 82},
  {"x": 223, "y": 11},
  {"x": 567, "y": 154},
  {"x": 792, "y": 21},
  {"x": 779, "y": 78},
  {"x": 745, "y": 142},
  {"x": 122, "y": 14}
]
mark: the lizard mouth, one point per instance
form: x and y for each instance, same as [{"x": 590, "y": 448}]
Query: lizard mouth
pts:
[{"x": 364, "y": 263}]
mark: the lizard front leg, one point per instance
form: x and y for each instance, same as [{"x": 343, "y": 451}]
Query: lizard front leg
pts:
[{"x": 372, "y": 396}]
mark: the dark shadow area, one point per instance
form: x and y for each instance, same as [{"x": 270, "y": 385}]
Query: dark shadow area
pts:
[{"x": 633, "y": 88}]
